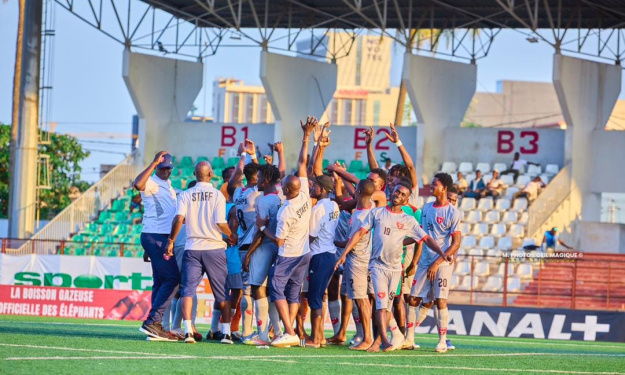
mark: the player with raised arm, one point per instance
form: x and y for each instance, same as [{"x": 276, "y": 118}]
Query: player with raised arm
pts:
[
  {"x": 263, "y": 252},
  {"x": 244, "y": 199},
  {"x": 441, "y": 221},
  {"x": 291, "y": 236},
  {"x": 203, "y": 208},
  {"x": 356, "y": 258},
  {"x": 390, "y": 226}
]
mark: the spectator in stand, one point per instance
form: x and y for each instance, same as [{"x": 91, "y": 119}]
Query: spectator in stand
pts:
[
  {"x": 516, "y": 165},
  {"x": 530, "y": 191},
  {"x": 494, "y": 188},
  {"x": 552, "y": 239},
  {"x": 476, "y": 186},
  {"x": 387, "y": 165},
  {"x": 461, "y": 183}
]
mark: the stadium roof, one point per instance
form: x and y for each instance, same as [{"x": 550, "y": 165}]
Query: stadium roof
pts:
[{"x": 399, "y": 14}]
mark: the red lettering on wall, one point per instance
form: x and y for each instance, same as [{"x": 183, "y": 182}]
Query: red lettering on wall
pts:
[
  {"x": 228, "y": 134},
  {"x": 245, "y": 132},
  {"x": 359, "y": 139},
  {"x": 504, "y": 142},
  {"x": 533, "y": 142},
  {"x": 380, "y": 144}
]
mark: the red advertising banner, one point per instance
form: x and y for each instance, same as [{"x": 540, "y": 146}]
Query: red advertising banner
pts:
[{"x": 74, "y": 302}]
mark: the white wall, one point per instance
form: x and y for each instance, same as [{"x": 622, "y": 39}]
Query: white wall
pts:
[
  {"x": 608, "y": 158},
  {"x": 544, "y": 146}
]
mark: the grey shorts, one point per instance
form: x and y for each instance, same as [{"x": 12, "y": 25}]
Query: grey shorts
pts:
[
  {"x": 245, "y": 276},
  {"x": 432, "y": 289},
  {"x": 355, "y": 280},
  {"x": 385, "y": 283},
  {"x": 179, "y": 253},
  {"x": 234, "y": 281},
  {"x": 212, "y": 262},
  {"x": 260, "y": 263}
]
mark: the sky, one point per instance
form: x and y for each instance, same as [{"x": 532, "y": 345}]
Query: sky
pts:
[{"x": 89, "y": 94}]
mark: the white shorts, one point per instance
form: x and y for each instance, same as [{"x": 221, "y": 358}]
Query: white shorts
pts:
[
  {"x": 432, "y": 289},
  {"x": 407, "y": 281},
  {"x": 355, "y": 280},
  {"x": 385, "y": 285},
  {"x": 245, "y": 276},
  {"x": 260, "y": 263}
]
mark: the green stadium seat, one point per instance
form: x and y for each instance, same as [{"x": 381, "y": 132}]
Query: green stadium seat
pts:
[
  {"x": 341, "y": 161},
  {"x": 121, "y": 230},
  {"x": 136, "y": 229},
  {"x": 135, "y": 215},
  {"x": 97, "y": 252},
  {"x": 91, "y": 228},
  {"x": 218, "y": 163},
  {"x": 325, "y": 163},
  {"x": 355, "y": 166},
  {"x": 131, "y": 192},
  {"x": 105, "y": 216},
  {"x": 128, "y": 254},
  {"x": 201, "y": 158},
  {"x": 137, "y": 240},
  {"x": 187, "y": 172},
  {"x": 112, "y": 252},
  {"x": 233, "y": 162},
  {"x": 176, "y": 183},
  {"x": 80, "y": 238},
  {"x": 186, "y": 161},
  {"x": 79, "y": 251},
  {"x": 118, "y": 205},
  {"x": 106, "y": 229},
  {"x": 120, "y": 217}
]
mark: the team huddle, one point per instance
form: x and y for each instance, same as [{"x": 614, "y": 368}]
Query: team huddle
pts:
[{"x": 275, "y": 246}]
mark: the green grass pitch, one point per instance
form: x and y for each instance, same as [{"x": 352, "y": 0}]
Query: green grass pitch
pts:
[{"x": 31, "y": 345}]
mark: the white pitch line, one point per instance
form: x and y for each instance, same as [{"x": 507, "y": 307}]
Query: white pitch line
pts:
[
  {"x": 501, "y": 370},
  {"x": 439, "y": 355},
  {"x": 88, "y": 350},
  {"x": 502, "y": 340},
  {"x": 142, "y": 357}
]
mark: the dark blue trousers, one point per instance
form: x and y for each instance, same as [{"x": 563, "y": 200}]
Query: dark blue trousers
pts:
[{"x": 165, "y": 274}]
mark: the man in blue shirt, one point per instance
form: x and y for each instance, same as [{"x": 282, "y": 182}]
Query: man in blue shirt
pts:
[{"x": 551, "y": 240}]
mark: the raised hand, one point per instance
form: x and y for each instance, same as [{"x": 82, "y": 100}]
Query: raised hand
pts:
[
  {"x": 324, "y": 142},
  {"x": 278, "y": 147},
  {"x": 241, "y": 148},
  {"x": 369, "y": 135},
  {"x": 268, "y": 159},
  {"x": 271, "y": 147},
  {"x": 160, "y": 156},
  {"x": 309, "y": 126},
  {"x": 392, "y": 135},
  {"x": 250, "y": 147}
]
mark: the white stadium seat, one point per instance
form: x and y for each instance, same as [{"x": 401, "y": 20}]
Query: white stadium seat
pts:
[
  {"x": 491, "y": 217},
  {"x": 545, "y": 178},
  {"x": 511, "y": 191},
  {"x": 519, "y": 205},
  {"x": 464, "y": 228},
  {"x": 486, "y": 242},
  {"x": 552, "y": 169},
  {"x": 463, "y": 268},
  {"x": 449, "y": 167},
  {"x": 516, "y": 231},
  {"x": 522, "y": 181},
  {"x": 485, "y": 204},
  {"x": 514, "y": 284},
  {"x": 509, "y": 217},
  {"x": 487, "y": 177},
  {"x": 493, "y": 253},
  {"x": 455, "y": 281},
  {"x": 525, "y": 271},
  {"x": 483, "y": 167},
  {"x": 482, "y": 269},
  {"x": 468, "y": 242},
  {"x": 462, "y": 252},
  {"x": 528, "y": 241},
  {"x": 479, "y": 230},
  {"x": 500, "y": 167},
  {"x": 473, "y": 217},
  {"x": 470, "y": 177},
  {"x": 498, "y": 230},
  {"x": 534, "y": 170},
  {"x": 467, "y": 204},
  {"x": 525, "y": 218},
  {"x": 502, "y": 269},
  {"x": 465, "y": 283},
  {"x": 476, "y": 253},
  {"x": 493, "y": 284},
  {"x": 502, "y": 204},
  {"x": 507, "y": 179},
  {"x": 504, "y": 243},
  {"x": 465, "y": 167}
]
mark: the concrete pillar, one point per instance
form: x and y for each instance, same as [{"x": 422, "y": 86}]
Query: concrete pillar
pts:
[
  {"x": 163, "y": 91},
  {"x": 295, "y": 88},
  {"x": 25, "y": 127},
  {"x": 440, "y": 92},
  {"x": 587, "y": 92}
]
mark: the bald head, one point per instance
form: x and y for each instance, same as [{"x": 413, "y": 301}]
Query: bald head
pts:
[
  {"x": 203, "y": 171},
  {"x": 291, "y": 186}
]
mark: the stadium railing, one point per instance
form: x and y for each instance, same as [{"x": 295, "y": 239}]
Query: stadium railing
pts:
[
  {"x": 568, "y": 280},
  {"x": 549, "y": 200},
  {"x": 84, "y": 209}
]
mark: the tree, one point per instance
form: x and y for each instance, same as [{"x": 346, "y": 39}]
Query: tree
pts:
[{"x": 65, "y": 156}]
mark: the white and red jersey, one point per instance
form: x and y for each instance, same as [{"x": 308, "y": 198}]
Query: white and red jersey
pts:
[{"x": 440, "y": 223}]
